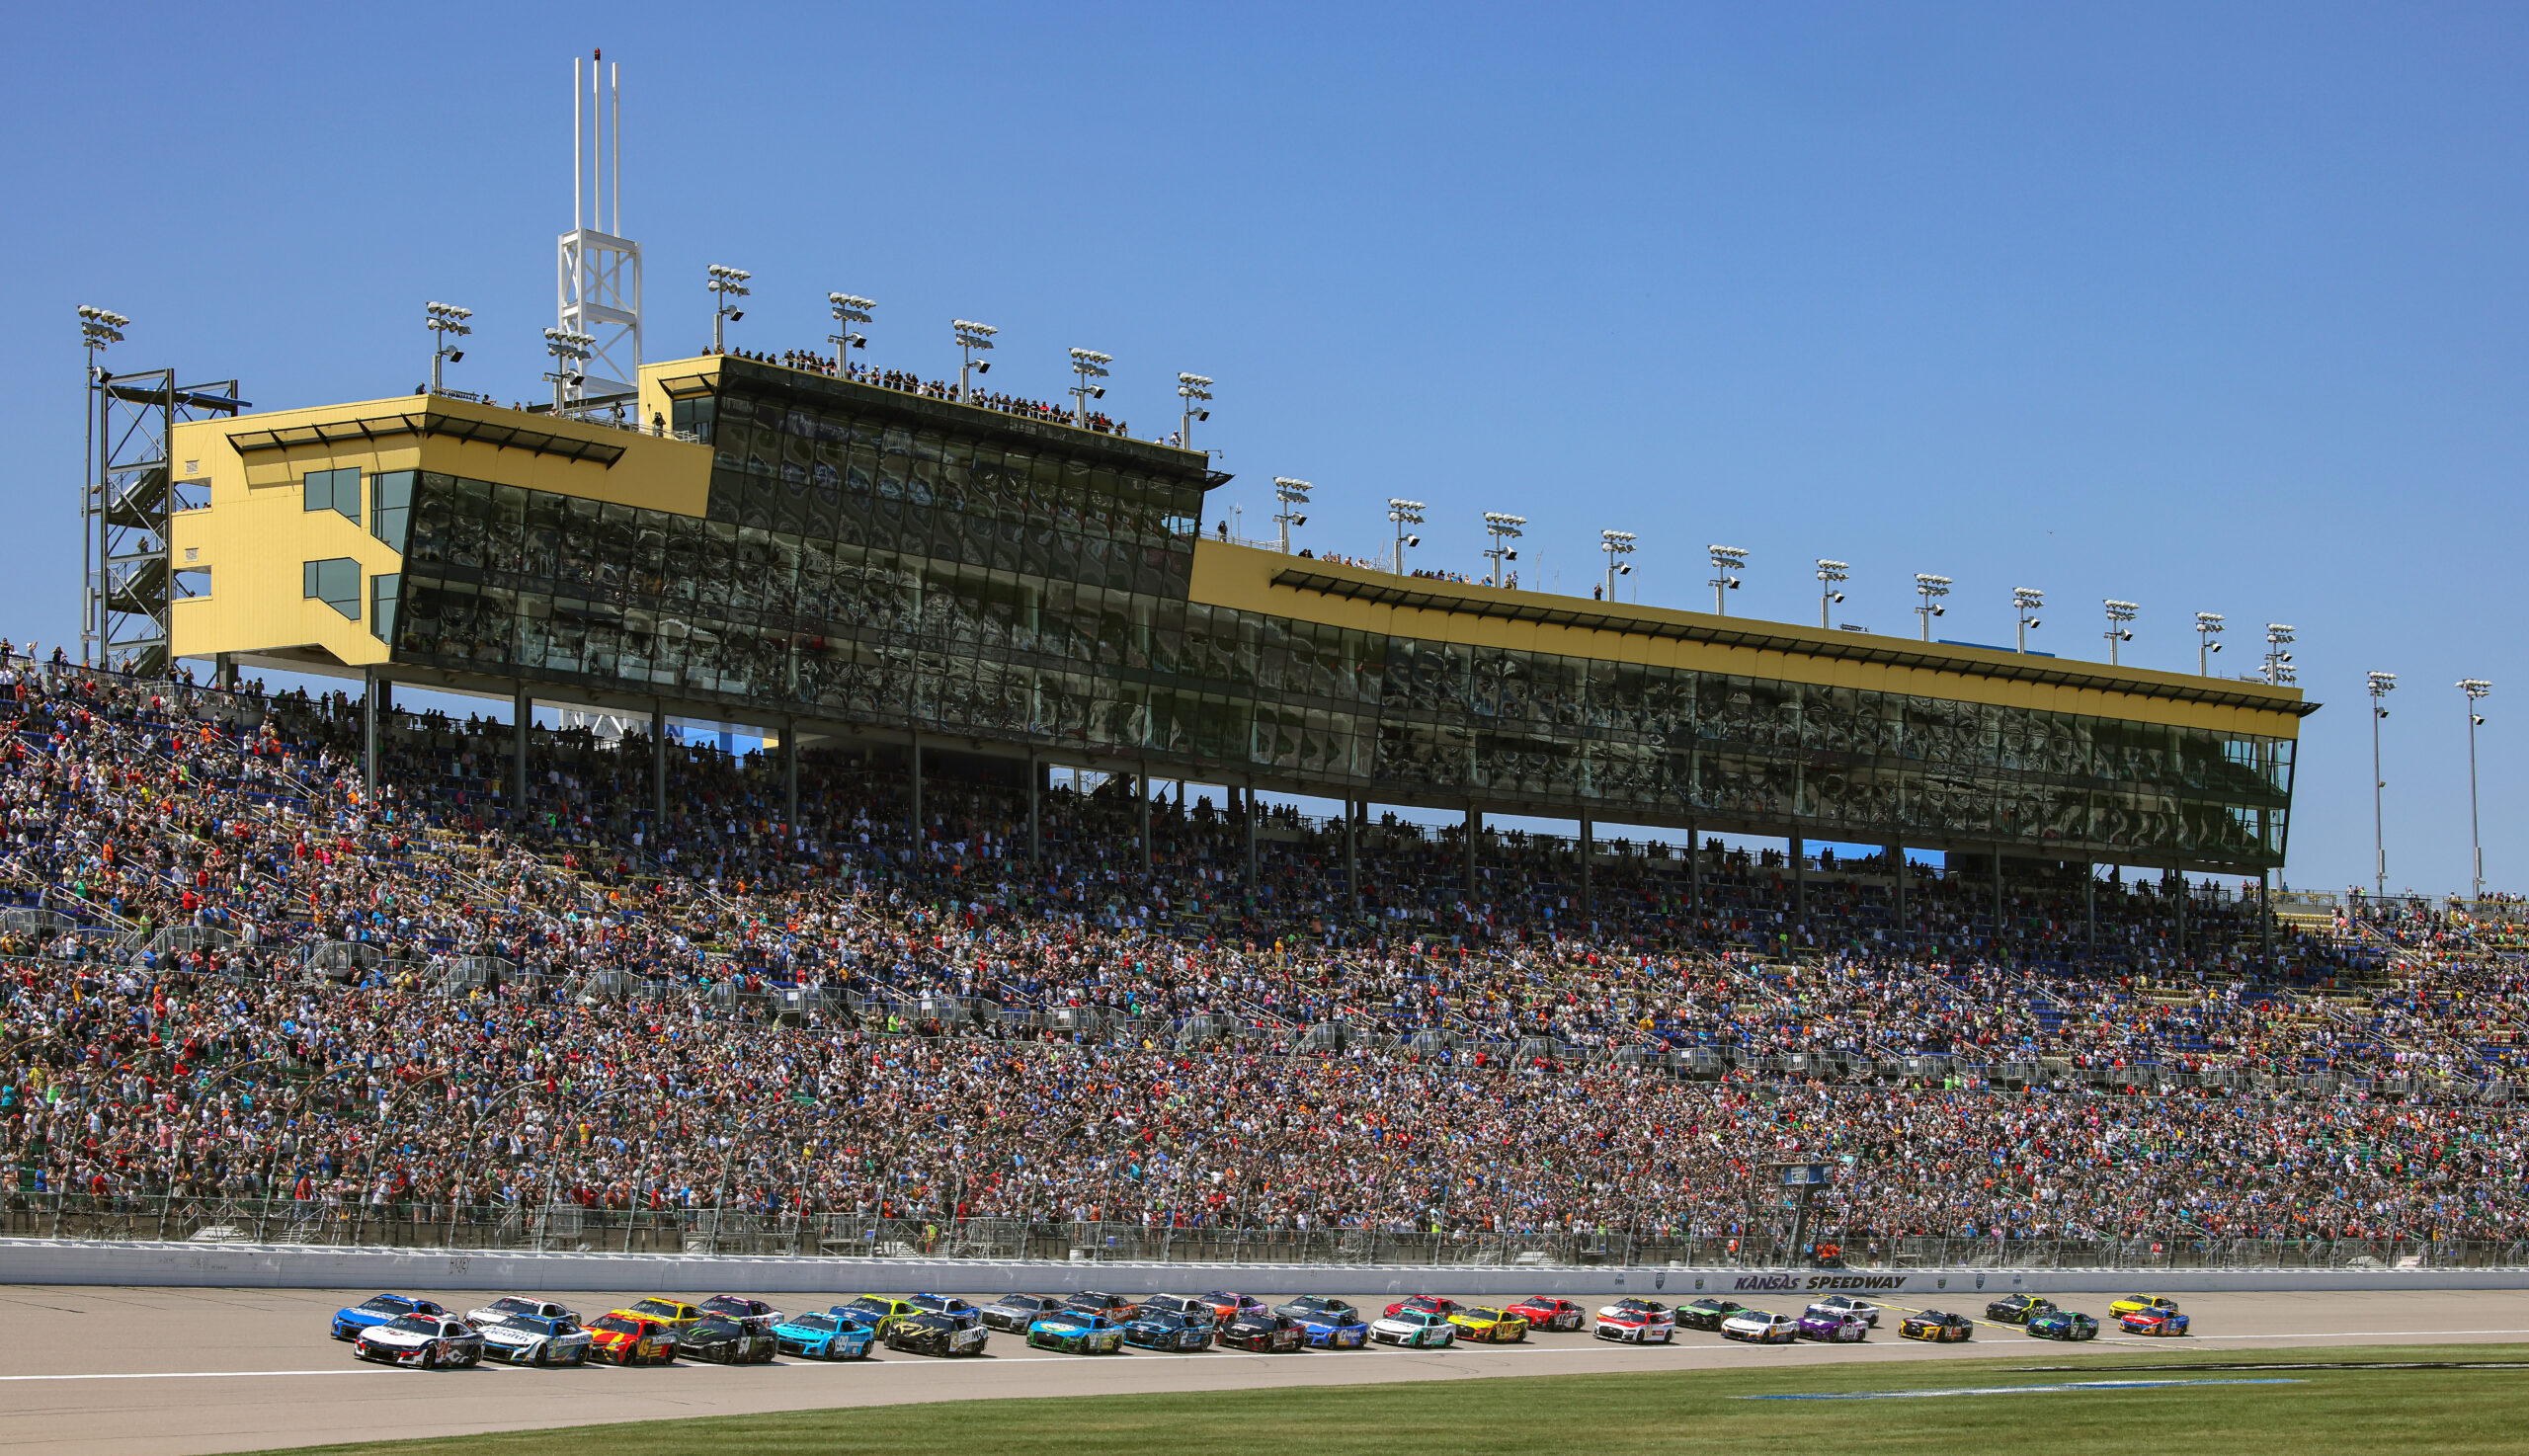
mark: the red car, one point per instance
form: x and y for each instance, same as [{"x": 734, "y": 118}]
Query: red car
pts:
[
  {"x": 1544, "y": 1312},
  {"x": 1429, "y": 1304},
  {"x": 1114, "y": 1307},
  {"x": 1227, "y": 1305}
]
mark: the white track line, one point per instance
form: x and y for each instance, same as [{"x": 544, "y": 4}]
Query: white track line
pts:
[{"x": 196, "y": 1375}]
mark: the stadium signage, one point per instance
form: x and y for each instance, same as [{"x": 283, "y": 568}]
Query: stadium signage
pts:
[{"x": 1785, "y": 1283}]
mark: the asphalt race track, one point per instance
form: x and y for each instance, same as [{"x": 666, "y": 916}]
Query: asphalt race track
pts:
[{"x": 172, "y": 1372}]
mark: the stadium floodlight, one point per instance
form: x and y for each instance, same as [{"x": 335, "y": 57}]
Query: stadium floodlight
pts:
[
  {"x": 1291, "y": 495},
  {"x": 848, "y": 310},
  {"x": 2117, "y": 634},
  {"x": 2278, "y": 670},
  {"x": 2381, "y": 686},
  {"x": 1086, "y": 364},
  {"x": 726, "y": 285},
  {"x": 1404, "y": 514},
  {"x": 1831, "y": 575},
  {"x": 98, "y": 327},
  {"x": 569, "y": 347},
  {"x": 1503, "y": 529},
  {"x": 2208, "y": 625},
  {"x": 2026, "y": 601},
  {"x": 1932, "y": 589},
  {"x": 2476, "y": 689},
  {"x": 972, "y": 338},
  {"x": 1617, "y": 544},
  {"x": 1725, "y": 562},
  {"x": 1196, "y": 391},
  {"x": 447, "y": 324}
]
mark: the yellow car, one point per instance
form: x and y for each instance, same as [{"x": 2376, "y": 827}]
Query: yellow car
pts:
[
  {"x": 2135, "y": 1303},
  {"x": 1489, "y": 1325},
  {"x": 676, "y": 1314},
  {"x": 881, "y": 1312}
]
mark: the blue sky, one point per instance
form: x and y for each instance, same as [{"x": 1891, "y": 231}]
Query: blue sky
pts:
[{"x": 2214, "y": 308}]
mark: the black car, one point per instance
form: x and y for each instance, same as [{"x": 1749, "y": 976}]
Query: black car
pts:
[
  {"x": 935, "y": 1334},
  {"x": 1183, "y": 1306},
  {"x": 966, "y": 1314},
  {"x": 753, "y": 1314},
  {"x": 1322, "y": 1307},
  {"x": 2018, "y": 1309},
  {"x": 1263, "y": 1332},
  {"x": 1114, "y": 1307},
  {"x": 1011, "y": 1314},
  {"x": 724, "y": 1342},
  {"x": 1706, "y": 1314}
]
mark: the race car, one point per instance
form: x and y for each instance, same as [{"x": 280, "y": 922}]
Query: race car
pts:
[
  {"x": 1637, "y": 1322},
  {"x": 754, "y": 1313},
  {"x": 1845, "y": 1304},
  {"x": 1166, "y": 1330},
  {"x": 2062, "y": 1324},
  {"x": 1492, "y": 1327},
  {"x": 935, "y": 1334},
  {"x": 524, "y": 1339},
  {"x": 1263, "y": 1332},
  {"x": 1226, "y": 1305},
  {"x": 628, "y": 1338},
  {"x": 1014, "y": 1312},
  {"x": 1707, "y": 1314},
  {"x": 1183, "y": 1306},
  {"x": 377, "y": 1309},
  {"x": 1078, "y": 1333},
  {"x": 1114, "y": 1307},
  {"x": 964, "y": 1314},
  {"x": 1545, "y": 1312},
  {"x": 1326, "y": 1323},
  {"x": 424, "y": 1342},
  {"x": 674, "y": 1312},
  {"x": 879, "y": 1311},
  {"x": 1429, "y": 1304},
  {"x": 520, "y": 1304},
  {"x": 1938, "y": 1328},
  {"x": 2018, "y": 1309},
  {"x": 1760, "y": 1327},
  {"x": 2153, "y": 1321},
  {"x": 2135, "y": 1303},
  {"x": 1415, "y": 1329},
  {"x": 725, "y": 1341},
  {"x": 1833, "y": 1327},
  {"x": 826, "y": 1337}
]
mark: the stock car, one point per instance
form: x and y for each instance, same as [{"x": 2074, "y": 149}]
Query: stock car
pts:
[
  {"x": 1011, "y": 1314},
  {"x": 1078, "y": 1333},
  {"x": 2163, "y": 1321},
  {"x": 1492, "y": 1327},
  {"x": 1707, "y": 1314},
  {"x": 526, "y": 1340},
  {"x": 1938, "y": 1328},
  {"x": 1637, "y": 1322},
  {"x": 520, "y": 1304},
  {"x": 832, "y": 1336},
  {"x": 1226, "y": 1305},
  {"x": 424, "y": 1341},
  {"x": 2018, "y": 1309},
  {"x": 1326, "y": 1323},
  {"x": 1187, "y": 1306},
  {"x": 879, "y": 1311},
  {"x": 628, "y": 1338},
  {"x": 1429, "y": 1304},
  {"x": 1760, "y": 1327},
  {"x": 1833, "y": 1327},
  {"x": 2135, "y": 1303},
  {"x": 1845, "y": 1304},
  {"x": 1415, "y": 1329},
  {"x": 1114, "y": 1307},
  {"x": 377, "y": 1309},
  {"x": 725, "y": 1341},
  {"x": 933, "y": 1333},
  {"x": 754, "y": 1313},
  {"x": 2062, "y": 1324},
  {"x": 1166, "y": 1330},
  {"x": 1545, "y": 1312},
  {"x": 675, "y": 1313},
  {"x": 1262, "y": 1333},
  {"x": 964, "y": 1314}
]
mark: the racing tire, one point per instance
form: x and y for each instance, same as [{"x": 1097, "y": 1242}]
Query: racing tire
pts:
[{"x": 429, "y": 1357}]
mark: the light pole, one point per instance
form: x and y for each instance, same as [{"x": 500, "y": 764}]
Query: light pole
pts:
[
  {"x": 1725, "y": 562},
  {"x": 1404, "y": 514},
  {"x": 1292, "y": 494},
  {"x": 971, "y": 337},
  {"x": 1086, "y": 364},
  {"x": 1831, "y": 575},
  {"x": 2026, "y": 601},
  {"x": 1616, "y": 543},
  {"x": 2278, "y": 668},
  {"x": 2117, "y": 634},
  {"x": 2476, "y": 689},
  {"x": 848, "y": 310},
  {"x": 1932, "y": 589},
  {"x": 1504, "y": 530},
  {"x": 97, "y": 328},
  {"x": 2382, "y": 684},
  {"x": 446, "y": 320},
  {"x": 1196, "y": 391},
  {"x": 727, "y": 285},
  {"x": 2208, "y": 625},
  {"x": 567, "y": 346}
]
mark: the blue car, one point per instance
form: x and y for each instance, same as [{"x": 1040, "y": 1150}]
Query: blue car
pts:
[
  {"x": 378, "y": 1310},
  {"x": 1327, "y": 1324},
  {"x": 832, "y": 1336},
  {"x": 1163, "y": 1330}
]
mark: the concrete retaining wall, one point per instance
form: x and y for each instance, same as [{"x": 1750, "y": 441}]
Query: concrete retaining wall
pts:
[{"x": 293, "y": 1267}]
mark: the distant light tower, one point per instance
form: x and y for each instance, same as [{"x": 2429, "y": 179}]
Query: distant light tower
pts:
[
  {"x": 2382, "y": 684},
  {"x": 1725, "y": 562},
  {"x": 1291, "y": 495},
  {"x": 848, "y": 310},
  {"x": 2476, "y": 689},
  {"x": 1932, "y": 589},
  {"x": 99, "y": 328},
  {"x": 1196, "y": 391},
  {"x": 2208, "y": 625},
  {"x": 1831, "y": 575},
  {"x": 1404, "y": 514},
  {"x": 2278, "y": 670},
  {"x": 970, "y": 338},
  {"x": 1086, "y": 364},
  {"x": 2118, "y": 614},
  {"x": 1504, "y": 530},
  {"x": 1616, "y": 543},
  {"x": 447, "y": 323},
  {"x": 2026, "y": 601},
  {"x": 728, "y": 285},
  {"x": 569, "y": 347}
]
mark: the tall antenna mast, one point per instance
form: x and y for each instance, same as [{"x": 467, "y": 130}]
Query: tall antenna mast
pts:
[{"x": 598, "y": 270}]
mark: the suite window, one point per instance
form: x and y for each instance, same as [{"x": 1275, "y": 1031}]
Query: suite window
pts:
[
  {"x": 383, "y": 588},
  {"x": 334, "y": 490},
  {"x": 336, "y": 583},
  {"x": 390, "y": 507}
]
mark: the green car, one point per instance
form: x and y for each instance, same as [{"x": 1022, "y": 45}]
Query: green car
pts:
[
  {"x": 2063, "y": 1325},
  {"x": 2018, "y": 1309},
  {"x": 1078, "y": 1333}
]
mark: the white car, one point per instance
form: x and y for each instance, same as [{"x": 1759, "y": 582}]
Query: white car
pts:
[
  {"x": 1760, "y": 1327},
  {"x": 1414, "y": 1328},
  {"x": 520, "y": 1304},
  {"x": 524, "y": 1339},
  {"x": 424, "y": 1341},
  {"x": 1849, "y": 1306},
  {"x": 1637, "y": 1322}
]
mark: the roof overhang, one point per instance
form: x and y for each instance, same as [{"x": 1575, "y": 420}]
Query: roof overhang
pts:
[{"x": 425, "y": 423}]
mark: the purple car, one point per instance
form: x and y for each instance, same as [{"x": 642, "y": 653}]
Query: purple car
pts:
[{"x": 1835, "y": 1329}]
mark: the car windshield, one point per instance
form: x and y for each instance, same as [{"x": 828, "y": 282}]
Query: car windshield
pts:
[
  {"x": 873, "y": 1305},
  {"x": 615, "y": 1324},
  {"x": 817, "y": 1324},
  {"x": 716, "y": 1328},
  {"x": 727, "y": 1306},
  {"x": 519, "y": 1323},
  {"x": 416, "y": 1324},
  {"x": 386, "y": 1304},
  {"x": 657, "y": 1307}
]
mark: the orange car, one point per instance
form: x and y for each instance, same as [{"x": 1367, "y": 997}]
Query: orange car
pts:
[{"x": 628, "y": 1338}]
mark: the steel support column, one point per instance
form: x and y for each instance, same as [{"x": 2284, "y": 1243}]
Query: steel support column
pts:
[
  {"x": 1036, "y": 786},
  {"x": 657, "y": 774},
  {"x": 522, "y": 718},
  {"x": 368, "y": 739},
  {"x": 1141, "y": 791},
  {"x": 791, "y": 775},
  {"x": 1351, "y": 853},
  {"x": 1588, "y": 851},
  {"x": 1473, "y": 832},
  {"x": 1251, "y": 843},
  {"x": 920, "y": 827},
  {"x": 1798, "y": 880}
]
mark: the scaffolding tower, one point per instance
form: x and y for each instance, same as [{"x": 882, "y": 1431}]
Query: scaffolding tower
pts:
[{"x": 128, "y": 503}]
